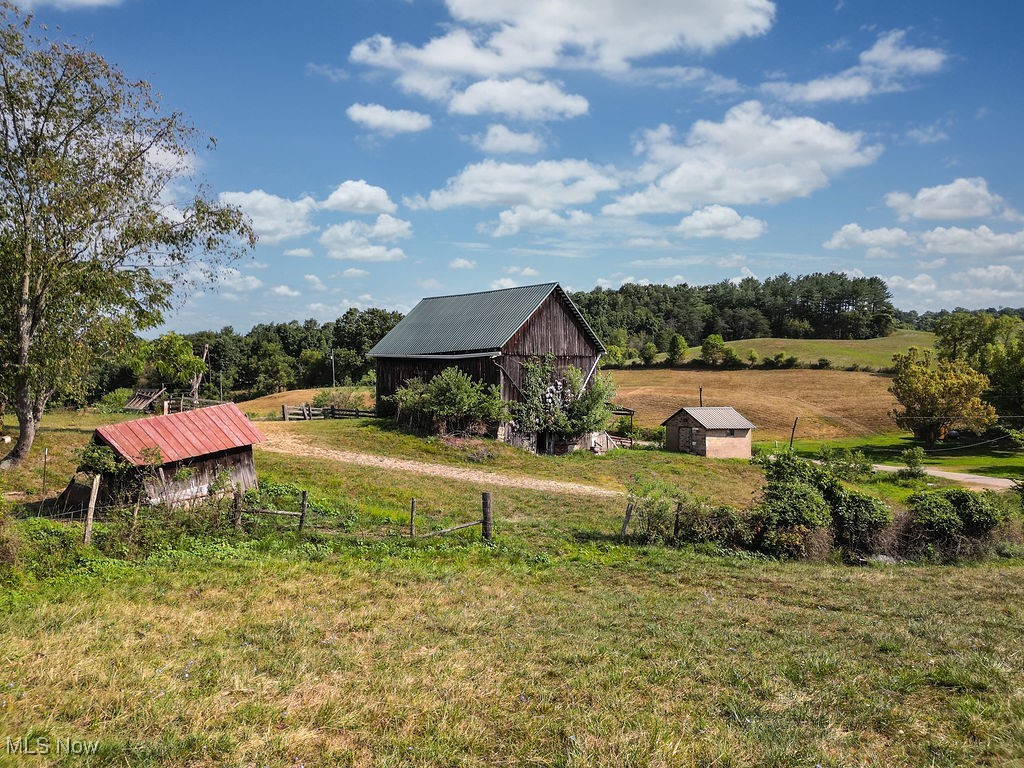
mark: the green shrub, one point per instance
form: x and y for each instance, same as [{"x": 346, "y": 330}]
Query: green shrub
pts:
[
  {"x": 979, "y": 512},
  {"x": 701, "y": 522},
  {"x": 786, "y": 518},
  {"x": 913, "y": 460},
  {"x": 844, "y": 463},
  {"x": 857, "y": 519},
  {"x": 955, "y": 522},
  {"x": 114, "y": 402},
  {"x": 823, "y": 364},
  {"x": 451, "y": 402}
]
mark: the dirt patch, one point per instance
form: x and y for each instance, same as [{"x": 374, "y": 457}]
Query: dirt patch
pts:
[{"x": 280, "y": 440}]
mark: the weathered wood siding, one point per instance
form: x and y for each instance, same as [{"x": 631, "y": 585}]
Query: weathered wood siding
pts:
[
  {"x": 552, "y": 330},
  {"x": 165, "y": 485},
  {"x": 393, "y": 372}
]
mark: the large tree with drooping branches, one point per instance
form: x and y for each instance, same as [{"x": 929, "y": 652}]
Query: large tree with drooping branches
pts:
[{"x": 97, "y": 230}]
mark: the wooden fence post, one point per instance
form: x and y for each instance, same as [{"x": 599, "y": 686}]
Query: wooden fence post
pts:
[
  {"x": 302, "y": 512},
  {"x": 92, "y": 508},
  {"x": 236, "y": 511},
  {"x": 487, "y": 524},
  {"x": 284, "y": 413},
  {"x": 412, "y": 519},
  {"x": 676, "y": 524},
  {"x": 625, "y": 522}
]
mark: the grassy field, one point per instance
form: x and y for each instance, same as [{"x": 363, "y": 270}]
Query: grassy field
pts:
[
  {"x": 971, "y": 454},
  {"x": 558, "y": 646},
  {"x": 829, "y": 404},
  {"x": 874, "y": 353}
]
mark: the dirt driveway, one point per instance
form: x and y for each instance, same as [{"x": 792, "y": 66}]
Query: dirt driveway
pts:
[{"x": 281, "y": 441}]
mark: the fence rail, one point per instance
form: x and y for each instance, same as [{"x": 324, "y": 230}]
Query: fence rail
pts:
[
  {"x": 486, "y": 522},
  {"x": 307, "y": 412}
]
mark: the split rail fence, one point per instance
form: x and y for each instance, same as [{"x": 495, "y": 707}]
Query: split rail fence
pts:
[{"x": 306, "y": 412}]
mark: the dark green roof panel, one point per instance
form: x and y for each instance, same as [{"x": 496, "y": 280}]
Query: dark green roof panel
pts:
[{"x": 469, "y": 322}]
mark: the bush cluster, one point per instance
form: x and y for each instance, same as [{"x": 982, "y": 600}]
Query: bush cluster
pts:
[
  {"x": 450, "y": 403},
  {"x": 954, "y": 522}
]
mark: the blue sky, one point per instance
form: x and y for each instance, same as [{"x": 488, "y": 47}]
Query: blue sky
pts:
[{"x": 392, "y": 149}]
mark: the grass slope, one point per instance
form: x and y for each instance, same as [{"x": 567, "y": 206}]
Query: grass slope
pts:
[
  {"x": 875, "y": 353},
  {"x": 830, "y": 404}
]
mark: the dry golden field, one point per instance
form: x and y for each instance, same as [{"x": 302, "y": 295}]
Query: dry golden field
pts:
[{"x": 830, "y": 404}]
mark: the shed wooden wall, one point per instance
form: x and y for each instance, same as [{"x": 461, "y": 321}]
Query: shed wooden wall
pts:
[{"x": 203, "y": 472}]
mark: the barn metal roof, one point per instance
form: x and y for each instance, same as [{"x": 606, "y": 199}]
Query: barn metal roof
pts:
[
  {"x": 470, "y": 322},
  {"x": 717, "y": 417},
  {"x": 179, "y": 436}
]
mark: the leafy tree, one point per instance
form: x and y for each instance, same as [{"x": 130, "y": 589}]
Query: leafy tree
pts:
[
  {"x": 712, "y": 351},
  {"x": 936, "y": 399},
  {"x": 677, "y": 349},
  {"x": 90, "y": 248},
  {"x": 171, "y": 361},
  {"x": 648, "y": 352}
]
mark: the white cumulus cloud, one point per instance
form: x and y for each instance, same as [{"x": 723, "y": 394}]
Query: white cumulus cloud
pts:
[
  {"x": 495, "y": 37},
  {"x": 518, "y": 98},
  {"x": 960, "y": 199},
  {"x": 284, "y": 290},
  {"x": 549, "y": 184},
  {"x": 749, "y": 157},
  {"x": 461, "y": 263},
  {"x": 879, "y": 243},
  {"x": 980, "y": 241},
  {"x": 386, "y": 121},
  {"x": 883, "y": 68},
  {"x": 510, "y": 222},
  {"x": 358, "y": 196},
  {"x": 721, "y": 221},
  {"x": 501, "y": 140},
  {"x": 274, "y": 218},
  {"x": 354, "y": 240}
]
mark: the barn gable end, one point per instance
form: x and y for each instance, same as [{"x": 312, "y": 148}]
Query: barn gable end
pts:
[{"x": 488, "y": 335}]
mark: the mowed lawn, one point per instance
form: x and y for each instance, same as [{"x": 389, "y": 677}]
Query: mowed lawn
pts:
[{"x": 829, "y": 404}]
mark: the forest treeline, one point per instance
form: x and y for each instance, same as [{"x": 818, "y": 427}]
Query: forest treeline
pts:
[
  {"x": 823, "y": 305},
  {"x": 275, "y": 356}
]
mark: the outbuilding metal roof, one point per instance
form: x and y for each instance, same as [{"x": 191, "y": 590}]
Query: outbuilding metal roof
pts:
[
  {"x": 716, "y": 417},
  {"x": 470, "y": 322},
  {"x": 180, "y": 436}
]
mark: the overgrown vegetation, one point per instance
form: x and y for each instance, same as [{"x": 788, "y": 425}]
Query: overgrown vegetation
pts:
[
  {"x": 567, "y": 406},
  {"x": 450, "y": 403},
  {"x": 805, "y": 510}
]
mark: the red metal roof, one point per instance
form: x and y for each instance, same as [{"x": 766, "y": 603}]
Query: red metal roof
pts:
[{"x": 180, "y": 436}]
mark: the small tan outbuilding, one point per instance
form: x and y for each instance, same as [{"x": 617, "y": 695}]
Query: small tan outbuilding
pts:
[{"x": 719, "y": 432}]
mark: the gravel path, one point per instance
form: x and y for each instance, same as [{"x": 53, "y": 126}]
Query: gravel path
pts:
[
  {"x": 287, "y": 442},
  {"x": 977, "y": 482}
]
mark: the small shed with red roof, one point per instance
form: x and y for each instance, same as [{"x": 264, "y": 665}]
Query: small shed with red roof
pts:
[{"x": 183, "y": 456}]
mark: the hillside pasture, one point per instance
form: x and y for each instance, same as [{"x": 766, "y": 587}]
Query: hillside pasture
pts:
[
  {"x": 842, "y": 353},
  {"x": 830, "y": 404}
]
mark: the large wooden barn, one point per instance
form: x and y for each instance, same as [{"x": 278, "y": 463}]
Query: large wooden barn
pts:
[
  {"x": 207, "y": 443},
  {"x": 488, "y": 335}
]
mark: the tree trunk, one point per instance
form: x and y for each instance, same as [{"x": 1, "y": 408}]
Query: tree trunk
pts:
[{"x": 28, "y": 424}]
